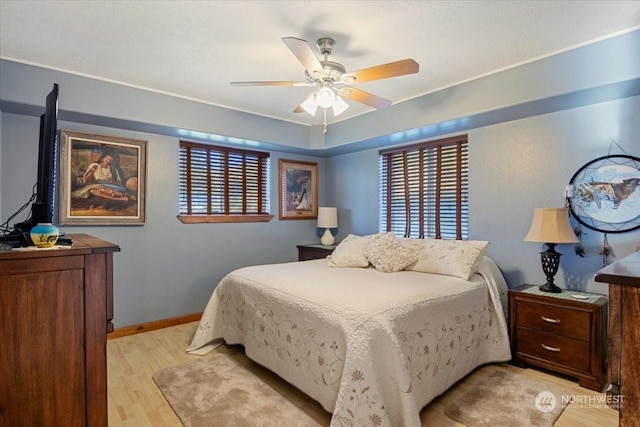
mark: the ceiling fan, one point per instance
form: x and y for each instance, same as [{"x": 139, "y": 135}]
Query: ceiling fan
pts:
[{"x": 332, "y": 79}]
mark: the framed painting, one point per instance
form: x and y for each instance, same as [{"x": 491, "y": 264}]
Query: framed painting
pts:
[
  {"x": 298, "y": 189},
  {"x": 102, "y": 180}
]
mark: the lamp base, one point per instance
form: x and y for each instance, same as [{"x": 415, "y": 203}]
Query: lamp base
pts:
[
  {"x": 550, "y": 288},
  {"x": 550, "y": 263},
  {"x": 327, "y": 238}
]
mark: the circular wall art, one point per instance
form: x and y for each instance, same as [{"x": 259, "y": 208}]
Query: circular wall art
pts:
[{"x": 606, "y": 194}]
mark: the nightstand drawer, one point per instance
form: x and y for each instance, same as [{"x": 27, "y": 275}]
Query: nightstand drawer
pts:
[
  {"x": 309, "y": 252},
  {"x": 563, "y": 321},
  {"x": 312, "y": 254},
  {"x": 554, "y": 348}
]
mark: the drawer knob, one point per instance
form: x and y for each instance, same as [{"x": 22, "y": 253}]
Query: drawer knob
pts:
[
  {"x": 547, "y": 347},
  {"x": 550, "y": 320}
]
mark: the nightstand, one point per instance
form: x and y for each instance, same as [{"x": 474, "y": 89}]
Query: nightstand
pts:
[
  {"x": 316, "y": 251},
  {"x": 564, "y": 332}
]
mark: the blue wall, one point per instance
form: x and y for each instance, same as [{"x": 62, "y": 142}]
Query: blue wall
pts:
[
  {"x": 165, "y": 268},
  {"x": 530, "y": 128},
  {"x": 514, "y": 167}
]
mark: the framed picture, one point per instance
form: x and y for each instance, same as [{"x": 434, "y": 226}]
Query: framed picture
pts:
[
  {"x": 102, "y": 180},
  {"x": 605, "y": 194},
  {"x": 298, "y": 187}
]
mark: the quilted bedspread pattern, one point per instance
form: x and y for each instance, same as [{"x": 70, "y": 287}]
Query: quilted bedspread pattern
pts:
[{"x": 372, "y": 348}]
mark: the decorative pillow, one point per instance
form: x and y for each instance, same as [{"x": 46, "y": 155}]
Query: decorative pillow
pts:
[
  {"x": 458, "y": 258},
  {"x": 387, "y": 254},
  {"x": 348, "y": 253}
]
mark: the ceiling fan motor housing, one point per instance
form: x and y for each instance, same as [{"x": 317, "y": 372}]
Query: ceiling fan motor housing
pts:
[{"x": 325, "y": 45}]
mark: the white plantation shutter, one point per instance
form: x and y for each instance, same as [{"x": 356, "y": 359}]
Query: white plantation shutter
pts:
[
  {"x": 424, "y": 190},
  {"x": 221, "y": 180}
]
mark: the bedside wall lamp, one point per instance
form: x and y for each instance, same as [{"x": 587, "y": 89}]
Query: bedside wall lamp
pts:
[{"x": 550, "y": 226}]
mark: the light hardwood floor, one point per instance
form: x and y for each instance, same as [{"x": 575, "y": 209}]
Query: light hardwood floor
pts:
[{"x": 134, "y": 399}]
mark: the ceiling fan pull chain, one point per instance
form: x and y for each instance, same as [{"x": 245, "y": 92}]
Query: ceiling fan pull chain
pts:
[{"x": 325, "y": 120}]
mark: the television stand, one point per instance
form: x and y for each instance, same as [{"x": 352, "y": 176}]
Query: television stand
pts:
[{"x": 57, "y": 308}]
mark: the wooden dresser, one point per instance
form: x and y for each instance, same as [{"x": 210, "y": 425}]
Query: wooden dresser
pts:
[
  {"x": 56, "y": 308},
  {"x": 623, "y": 372},
  {"x": 563, "y": 332}
]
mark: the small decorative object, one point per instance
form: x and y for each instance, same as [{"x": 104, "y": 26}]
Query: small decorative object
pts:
[
  {"x": 327, "y": 219},
  {"x": 102, "y": 180},
  {"x": 551, "y": 226},
  {"x": 298, "y": 186},
  {"x": 605, "y": 251},
  {"x": 579, "y": 249},
  {"x": 577, "y": 230},
  {"x": 44, "y": 235}
]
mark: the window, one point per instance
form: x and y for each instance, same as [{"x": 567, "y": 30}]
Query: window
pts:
[
  {"x": 424, "y": 189},
  {"x": 221, "y": 184}
]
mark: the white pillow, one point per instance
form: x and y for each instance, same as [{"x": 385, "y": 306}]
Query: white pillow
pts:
[
  {"x": 348, "y": 253},
  {"x": 387, "y": 254},
  {"x": 458, "y": 258}
]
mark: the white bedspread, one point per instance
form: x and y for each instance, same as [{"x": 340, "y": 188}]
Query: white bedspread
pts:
[{"x": 372, "y": 348}]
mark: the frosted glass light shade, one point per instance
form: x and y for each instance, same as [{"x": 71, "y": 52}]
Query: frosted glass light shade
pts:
[
  {"x": 339, "y": 106},
  {"x": 325, "y": 97},
  {"x": 551, "y": 225},
  {"x": 310, "y": 105}
]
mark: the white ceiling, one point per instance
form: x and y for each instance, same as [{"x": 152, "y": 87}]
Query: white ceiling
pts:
[{"x": 194, "y": 49}]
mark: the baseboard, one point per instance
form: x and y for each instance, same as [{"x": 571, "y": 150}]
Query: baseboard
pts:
[{"x": 152, "y": 326}]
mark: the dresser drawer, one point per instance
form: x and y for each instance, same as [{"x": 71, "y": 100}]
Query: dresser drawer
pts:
[
  {"x": 563, "y": 321},
  {"x": 554, "y": 348}
]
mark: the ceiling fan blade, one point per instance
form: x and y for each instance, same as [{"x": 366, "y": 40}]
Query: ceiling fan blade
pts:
[
  {"x": 392, "y": 69},
  {"x": 301, "y": 50},
  {"x": 364, "y": 97},
  {"x": 272, "y": 83}
]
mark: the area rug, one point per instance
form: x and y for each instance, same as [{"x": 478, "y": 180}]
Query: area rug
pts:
[
  {"x": 509, "y": 399},
  {"x": 219, "y": 391}
]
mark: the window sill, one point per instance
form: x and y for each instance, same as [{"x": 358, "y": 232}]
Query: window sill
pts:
[{"x": 205, "y": 219}]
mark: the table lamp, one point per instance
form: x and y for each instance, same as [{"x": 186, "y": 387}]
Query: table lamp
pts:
[
  {"x": 327, "y": 219},
  {"x": 550, "y": 226}
]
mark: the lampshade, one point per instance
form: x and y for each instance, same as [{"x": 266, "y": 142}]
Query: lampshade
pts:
[
  {"x": 327, "y": 217},
  {"x": 551, "y": 225},
  {"x": 325, "y": 97},
  {"x": 339, "y": 106}
]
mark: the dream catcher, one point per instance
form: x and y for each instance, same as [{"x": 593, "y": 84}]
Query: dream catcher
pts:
[{"x": 604, "y": 196}]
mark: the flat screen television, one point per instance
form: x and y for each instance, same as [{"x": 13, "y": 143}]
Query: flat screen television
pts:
[{"x": 42, "y": 209}]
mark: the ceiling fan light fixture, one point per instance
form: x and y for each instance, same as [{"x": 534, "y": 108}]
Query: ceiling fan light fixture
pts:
[
  {"x": 329, "y": 76},
  {"x": 339, "y": 106},
  {"x": 310, "y": 105},
  {"x": 325, "y": 97}
]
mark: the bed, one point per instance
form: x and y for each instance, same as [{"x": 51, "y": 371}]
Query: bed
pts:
[{"x": 372, "y": 347}]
